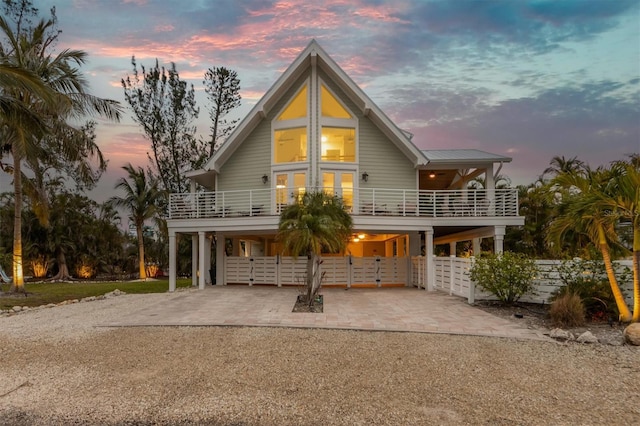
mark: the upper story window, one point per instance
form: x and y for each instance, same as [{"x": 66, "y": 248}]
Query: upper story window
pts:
[
  {"x": 338, "y": 139},
  {"x": 297, "y": 108},
  {"x": 331, "y": 107},
  {"x": 290, "y": 130},
  {"x": 338, "y": 144}
]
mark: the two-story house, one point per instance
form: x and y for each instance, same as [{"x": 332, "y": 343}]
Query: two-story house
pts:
[{"x": 316, "y": 129}]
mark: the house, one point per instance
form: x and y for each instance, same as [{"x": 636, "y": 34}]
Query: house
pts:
[{"x": 316, "y": 129}]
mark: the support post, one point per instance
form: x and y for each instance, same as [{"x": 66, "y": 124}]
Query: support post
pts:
[
  {"x": 430, "y": 273},
  {"x": 194, "y": 260},
  {"x": 220, "y": 259},
  {"x": 476, "y": 247},
  {"x": 499, "y": 232},
  {"x": 172, "y": 261},
  {"x": 201, "y": 263}
]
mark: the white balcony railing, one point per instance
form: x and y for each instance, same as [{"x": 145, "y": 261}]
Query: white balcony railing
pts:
[{"x": 374, "y": 202}]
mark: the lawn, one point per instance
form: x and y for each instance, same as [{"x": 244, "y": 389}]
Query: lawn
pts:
[{"x": 45, "y": 293}]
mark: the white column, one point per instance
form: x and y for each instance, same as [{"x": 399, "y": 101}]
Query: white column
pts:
[
  {"x": 220, "y": 257},
  {"x": 452, "y": 249},
  {"x": 194, "y": 260},
  {"x": 490, "y": 186},
  {"x": 499, "y": 239},
  {"x": 201, "y": 262},
  {"x": 476, "y": 246},
  {"x": 172, "y": 261},
  {"x": 414, "y": 244},
  {"x": 207, "y": 257},
  {"x": 430, "y": 273}
]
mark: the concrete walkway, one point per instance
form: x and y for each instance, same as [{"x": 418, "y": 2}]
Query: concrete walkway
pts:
[{"x": 380, "y": 309}]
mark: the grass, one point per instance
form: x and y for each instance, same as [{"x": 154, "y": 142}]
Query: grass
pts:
[{"x": 45, "y": 293}]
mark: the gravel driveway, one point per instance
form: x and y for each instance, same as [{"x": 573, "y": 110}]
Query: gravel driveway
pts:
[{"x": 57, "y": 367}]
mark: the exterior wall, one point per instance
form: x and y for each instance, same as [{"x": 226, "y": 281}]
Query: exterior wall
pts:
[
  {"x": 386, "y": 165},
  {"x": 250, "y": 161}
]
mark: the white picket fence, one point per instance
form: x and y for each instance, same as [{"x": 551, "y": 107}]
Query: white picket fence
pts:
[
  {"x": 452, "y": 276},
  {"x": 347, "y": 270}
]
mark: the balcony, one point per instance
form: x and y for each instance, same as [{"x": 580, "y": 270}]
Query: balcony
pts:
[{"x": 370, "y": 202}]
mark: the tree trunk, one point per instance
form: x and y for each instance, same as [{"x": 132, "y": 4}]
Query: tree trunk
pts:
[
  {"x": 17, "y": 284},
  {"x": 636, "y": 274},
  {"x": 625, "y": 314},
  {"x": 143, "y": 271},
  {"x": 309, "y": 277},
  {"x": 63, "y": 269}
]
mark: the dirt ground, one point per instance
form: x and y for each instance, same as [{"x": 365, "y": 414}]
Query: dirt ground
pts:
[{"x": 59, "y": 367}]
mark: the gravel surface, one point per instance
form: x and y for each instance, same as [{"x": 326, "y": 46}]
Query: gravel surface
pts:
[{"x": 58, "y": 368}]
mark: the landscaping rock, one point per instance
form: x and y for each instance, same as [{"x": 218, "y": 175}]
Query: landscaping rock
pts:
[
  {"x": 612, "y": 340},
  {"x": 587, "y": 337},
  {"x": 17, "y": 308},
  {"x": 632, "y": 334},
  {"x": 114, "y": 293},
  {"x": 560, "y": 334}
]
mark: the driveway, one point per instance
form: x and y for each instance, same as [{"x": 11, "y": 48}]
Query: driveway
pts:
[{"x": 374, "y": 309}]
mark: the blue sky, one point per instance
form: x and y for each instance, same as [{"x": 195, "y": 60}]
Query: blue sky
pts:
[{"x": 526, "y": 79}]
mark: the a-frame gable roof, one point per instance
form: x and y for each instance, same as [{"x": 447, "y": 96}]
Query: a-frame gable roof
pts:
[{"x": 314, "y": 54}]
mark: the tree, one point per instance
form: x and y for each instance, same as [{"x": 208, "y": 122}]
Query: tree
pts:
[
  {"x": 585, "y": 209},
  {"x": 141, "y": 201},
  {"x": 165, "y": 107},
  {"x": 560, "y": 165},
  {"x": 317, "y": 222},
  {"x": 500, "y": 181},
  {"x": 32, "y": 116},
  {"x": 223, "y": 89},
  {"x": 625, "y": 205}
]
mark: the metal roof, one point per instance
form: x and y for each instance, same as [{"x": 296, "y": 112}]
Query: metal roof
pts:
[{"x": 463, "y": 155}]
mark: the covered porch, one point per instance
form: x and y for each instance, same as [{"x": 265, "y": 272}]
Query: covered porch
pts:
[{"x": 406, "y": 259}]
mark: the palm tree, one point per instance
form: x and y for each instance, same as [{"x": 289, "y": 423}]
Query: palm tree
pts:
[
  {"x": 585, "y": 208},
  {"x": 141, "y": 201},
  {"x": 560, "y": 165},
  {"x": 317, "y": 222},
  {"x": 28, "y": 116},
  {"x": 625, "y": 202}
]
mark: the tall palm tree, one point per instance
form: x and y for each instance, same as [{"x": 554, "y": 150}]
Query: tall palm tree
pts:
[
  {"x": 317, "y": 222},
  {"x": 625, "y": 203},
  {"x": 560, "y": 165},
  {"x": 31, "y": 115},
  {"x": 141, "y": 201},
  {"x": 584, "y": 208}
]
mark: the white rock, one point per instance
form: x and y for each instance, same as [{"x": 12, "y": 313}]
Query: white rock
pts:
[
  {"x": 17, "y": 308},
  {"x": 632, "y": 334},
  {"x": 560, "y": 334},
  {"x": 587, "y": 337}
]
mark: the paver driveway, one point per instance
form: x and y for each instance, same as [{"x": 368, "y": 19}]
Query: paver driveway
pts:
[{"x": 388, "y": 309}]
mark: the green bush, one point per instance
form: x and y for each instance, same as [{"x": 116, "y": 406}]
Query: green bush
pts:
[
  {"x": 588, "y": 279},
  {"x": 507, "y": 276},
  {"x": 567, "y": 311}
]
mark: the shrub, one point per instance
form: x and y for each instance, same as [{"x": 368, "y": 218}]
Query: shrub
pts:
[
  {"x": 588, "y": 279},
  {"x": 567, "y": 310},
  {"x": 507, "y": 276}
]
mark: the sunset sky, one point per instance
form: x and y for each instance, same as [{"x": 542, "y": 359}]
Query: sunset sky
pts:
[{"x": 526, "y": 79}]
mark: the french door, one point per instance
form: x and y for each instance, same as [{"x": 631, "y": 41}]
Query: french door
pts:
[
  {"x": 289, "y": 188},
  {"x": 340, "y": 183}
]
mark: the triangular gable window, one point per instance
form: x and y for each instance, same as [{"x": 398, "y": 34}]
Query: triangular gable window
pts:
[
  {"x": 331, "y": 107},
  {"x": 297, "y": 108}
]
